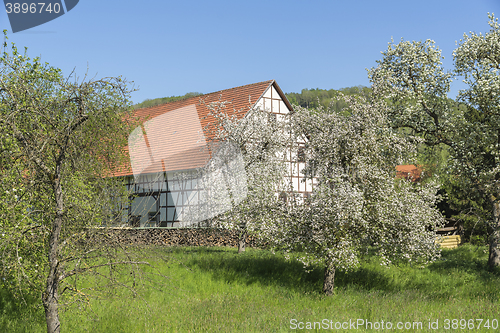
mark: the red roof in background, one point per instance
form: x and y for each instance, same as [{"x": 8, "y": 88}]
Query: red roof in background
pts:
[
  {"x": 178, "y": 125},
  {"x": 409, "y": 172}
]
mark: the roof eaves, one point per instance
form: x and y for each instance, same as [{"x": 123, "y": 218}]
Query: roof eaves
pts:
[{"x": 283, "y": 96}]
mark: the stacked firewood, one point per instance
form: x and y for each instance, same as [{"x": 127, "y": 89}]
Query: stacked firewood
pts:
[{"x": 179, "y": 237}]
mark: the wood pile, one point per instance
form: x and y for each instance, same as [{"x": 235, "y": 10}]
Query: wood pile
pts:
[
  {"x": 449, "y": 238},
  {"x": 179, "y": 236},
  {"x": 450, "y": 242}
]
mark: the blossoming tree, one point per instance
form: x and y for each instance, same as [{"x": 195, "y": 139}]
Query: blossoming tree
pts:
[
  {"x": 410, "y": 75},
  {"x": 262, "y": 139},
  {"x": 357, "y": 201}
]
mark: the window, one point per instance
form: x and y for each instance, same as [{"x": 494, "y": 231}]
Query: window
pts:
[
  {"x": 153, "y": 218},
  {"x": 301, "y": 154},
  {"x": 283, "y": 196}
]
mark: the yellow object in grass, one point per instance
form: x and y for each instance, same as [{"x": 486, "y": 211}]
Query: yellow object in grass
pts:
[{"x": 450, "y": 242}]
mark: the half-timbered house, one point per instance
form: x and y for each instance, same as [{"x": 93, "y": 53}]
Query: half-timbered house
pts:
[{"x": 169, "y": 148}]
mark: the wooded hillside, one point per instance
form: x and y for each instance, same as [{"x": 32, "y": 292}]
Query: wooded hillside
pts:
[{"x": 309, "y": 98}]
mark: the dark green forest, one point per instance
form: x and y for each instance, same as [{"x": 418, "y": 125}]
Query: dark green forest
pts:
[
  {"x": 313, "y": 98},
  {"x": 309, "y": 98},
  {"x": 162, "y": 100}
]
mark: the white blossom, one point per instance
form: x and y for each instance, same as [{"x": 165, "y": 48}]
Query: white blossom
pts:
[{"x": 357, "y": 202}]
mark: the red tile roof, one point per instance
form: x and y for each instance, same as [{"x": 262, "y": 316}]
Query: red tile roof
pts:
[
  {"x": 409, "y": 172},
  {"x": 170, "y": 138}
]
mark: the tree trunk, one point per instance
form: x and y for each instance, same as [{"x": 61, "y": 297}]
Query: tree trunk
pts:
[
  {"x": 494, "y": 256},
  {"x": 329, "y": 281},
  {"x": 242, "y": 239},
  {"x": 51, "y": 306},
  {"x": 50, "y": 297}
]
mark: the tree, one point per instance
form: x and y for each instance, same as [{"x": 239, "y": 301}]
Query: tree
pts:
[
  {"x": 59, "y": 137},
  {"x": 313, "y": 98},
  {"x": 357, "y": 201},
  {"x": 411, "y": 76},
  {"x": 477, "y": 59},
  {"x": 162, "y": 100},
  {"x": 262, "y": 139}
]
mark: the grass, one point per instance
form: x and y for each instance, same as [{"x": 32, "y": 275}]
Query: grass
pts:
[{"x": 217, "y": 290}]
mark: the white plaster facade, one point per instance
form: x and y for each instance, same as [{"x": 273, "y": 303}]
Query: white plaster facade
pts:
[{"x": 162, "y": 197}]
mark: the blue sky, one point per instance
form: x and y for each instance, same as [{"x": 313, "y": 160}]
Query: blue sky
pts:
[{"x": 171, "y": 48}]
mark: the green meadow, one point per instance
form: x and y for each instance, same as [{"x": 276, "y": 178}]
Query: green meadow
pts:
[{"x": 214, "y": 289}]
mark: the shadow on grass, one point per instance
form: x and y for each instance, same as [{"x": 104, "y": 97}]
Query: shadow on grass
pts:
[
  {"x": 17, "y": 316},
  {"x": 467, "y": 258},
  {"x": 462, "y": 268},
  {"x": 256, "y": 267},
  {"x": 365, "y": 279},
  {"x": 460, "y": 272},
  {"x": 264, "y": 268},
  {"x": 469, "y": 264}
]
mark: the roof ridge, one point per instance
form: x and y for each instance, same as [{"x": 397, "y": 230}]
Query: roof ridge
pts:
[
  {"x": 240, "y": 98},
  {"x": 202, "y": 95},
  {"x": 245, "y": 85}
]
